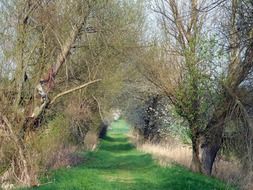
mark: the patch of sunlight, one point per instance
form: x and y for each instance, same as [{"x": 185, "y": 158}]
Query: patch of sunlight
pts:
[
  {"x": 119, "y": 127},
  {"x": 120, "y": 177}
]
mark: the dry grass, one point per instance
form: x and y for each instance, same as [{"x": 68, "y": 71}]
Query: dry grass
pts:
[
  {"x": 173, "y": 151},
  {"x": 91, "y": 140},
  {"x": 64, "y": 157},
  {"x": 232, "y": 172},
  {"x": 165, "y": 154}
]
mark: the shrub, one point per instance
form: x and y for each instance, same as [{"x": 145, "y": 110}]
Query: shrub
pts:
[
  {"x": 90, "y": 140},
  {"x": 52, "y": 139}
]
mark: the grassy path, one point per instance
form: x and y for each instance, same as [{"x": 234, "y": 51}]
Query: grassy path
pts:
[{"x": 117, "y": 165}]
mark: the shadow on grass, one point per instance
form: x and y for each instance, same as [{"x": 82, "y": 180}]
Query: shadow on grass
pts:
[
  {"x": 117, "y": 147},
  {"x": 115, "y": 139}
]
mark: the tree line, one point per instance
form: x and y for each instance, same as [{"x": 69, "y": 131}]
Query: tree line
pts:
[{"x": 70, "y": 62}]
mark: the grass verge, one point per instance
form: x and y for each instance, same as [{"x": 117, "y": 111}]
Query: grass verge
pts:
[{"x": 117, "y": 165}]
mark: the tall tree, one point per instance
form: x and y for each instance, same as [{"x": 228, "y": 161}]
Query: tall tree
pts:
[
  {"x": 181, "y": 74},
  {"x": 239, "y": 69},
  {"x": 26, "y": 107},
  {"x": 59, "y": 47},
  {"x": 185, "y": 75}
]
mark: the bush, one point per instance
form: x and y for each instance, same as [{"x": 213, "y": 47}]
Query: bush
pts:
[
  {"x": 90, "y": 140},
  {"x": 53, "y": 137},
  {"x": 155, "y": 119}
]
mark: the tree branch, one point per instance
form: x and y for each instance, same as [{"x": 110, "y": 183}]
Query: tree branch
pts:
[
  {"x": 99, "y": 108},
  {"x": 72, "y": 90}
]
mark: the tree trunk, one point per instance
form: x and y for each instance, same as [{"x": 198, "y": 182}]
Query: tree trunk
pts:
[
  {"x": 48, "y": 82},
  {"x": 206, "y": 145},
  {"x": 25, "y": 178},
  {"x": 196, "y": 163},
  {"x": 212, "y": 141},
  {"x": 209, "y": 152},
  {"x": 204, "y": 153}
]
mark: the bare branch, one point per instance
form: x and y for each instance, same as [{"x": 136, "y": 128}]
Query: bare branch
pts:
[{"x": 73, "y": 89}]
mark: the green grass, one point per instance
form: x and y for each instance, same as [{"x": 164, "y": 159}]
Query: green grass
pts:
[{"x": 117, "y": 165}]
